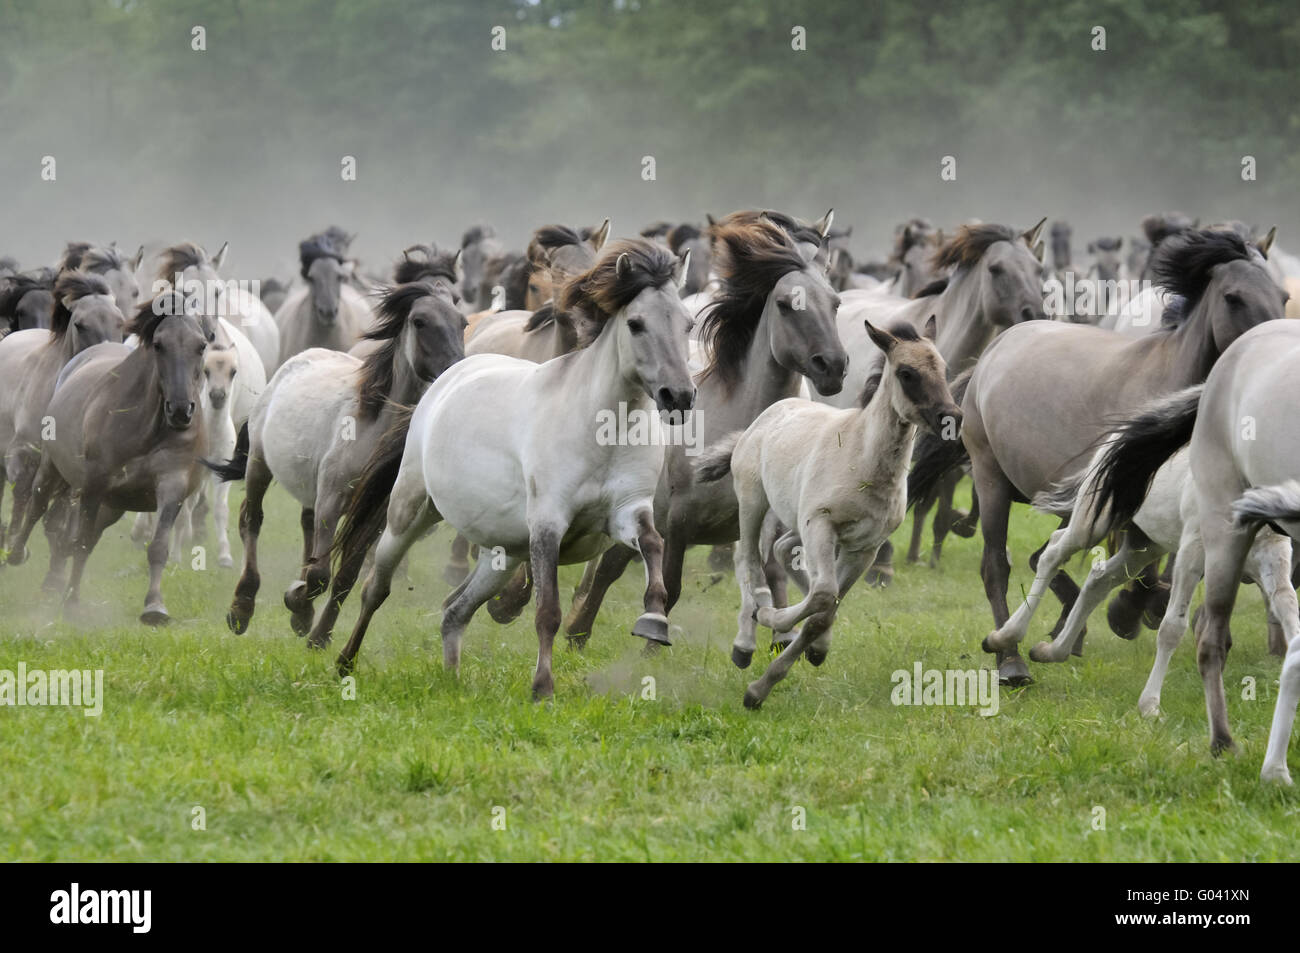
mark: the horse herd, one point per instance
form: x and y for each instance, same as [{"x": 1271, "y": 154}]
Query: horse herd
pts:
[{"x": 826, "y": 397}]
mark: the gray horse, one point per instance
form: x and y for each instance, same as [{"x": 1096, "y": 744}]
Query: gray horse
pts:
[{"x": 327, "y": 311}]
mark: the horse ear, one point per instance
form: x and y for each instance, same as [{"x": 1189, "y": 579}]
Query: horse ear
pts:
[
  {"x": 881, "y": 339},
  {"x": 623, "y": 265},
  {"x": 348, "y": 267},
  {"x": 823, "y": 225},
  {"x": 1265, "y": 243},
  {"x": 683, "y": 269},
  {"x": 931, "y": 327},
  {"x": 600, "y": 235},
  {"x": 220, "y": 256},
  {"x": 457, "y": 268},
  {"x": 1031, "y": 236},
  {"x": 1119, "y": 242},
  {"x": 1038, "y": 252},
  {"x": 139, "y": 257},
  {"x": 710, "y": 219}
]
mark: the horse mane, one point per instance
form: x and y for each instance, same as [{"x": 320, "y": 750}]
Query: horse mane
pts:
[
  {"x": 514, "y": 279},
  {"x": 433, "y": 264},
  {"x": 1107, "y": 243},
  {"x": 657, "y": 230},
  {"x": 391, "y": 316},
  {"x": 936, "y": 287},
  {"x": 750, "y": 257},
  {"x": 476, "y": 233},
  {"x": 75, "y": 285},
  {"x": 797, "y": 230},
  {"x": 331, "y": 243},
  {"x": 150, "y": 314},
  {"x": 13, "y": 288},
  {"x": 73, "y": 252},
  {"x": 968, "y": 246},
  {"x": 541, "y": 317},
  {"x": 913, "y": 232},
  {"x": 603, "y": 290},
  {"x": 1183, "y": 262},
  {"x": 100, "y": 260},
  {"x": 179, "y": 257},
  {"x": 549, "y": 237},
  {"x": 1159, "y": 227},
  {"x": 8, "y": 265},
  {"x": 679, "y": 235}
]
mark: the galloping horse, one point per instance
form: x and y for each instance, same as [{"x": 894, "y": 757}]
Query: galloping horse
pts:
[
  {"x": 127, "y": 437},
  {"x": 510, "y": 453},
  {"x": 316, "y": 424},
  {"x": 327, "y": 312}
]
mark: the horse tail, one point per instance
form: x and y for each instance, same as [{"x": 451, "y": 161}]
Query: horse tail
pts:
[
  {"x": 236, "y": 466},
  {"x": 1137, "y": 448},
  {"x": 1059, "y": 498},
  {"x": 1268, "y": 504},
  {"x": 715, "y": 462},
  {"x": 366, "y": 515}
]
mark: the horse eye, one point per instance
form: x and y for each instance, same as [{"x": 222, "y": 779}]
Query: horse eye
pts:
[
  {"x": 636, "y": 327},
  {"x": 418, "y": 323}
]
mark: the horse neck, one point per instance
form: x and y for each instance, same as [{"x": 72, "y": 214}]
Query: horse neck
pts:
[
  {"x": 964, "y": 331},
  {"x": 137, "y": 389},
  {"x": 762, "y": 383},
  {"x": 1189, "y": 352},
  {"x": 605, "y": 381},
  {"x": 407, "y": 385},
  {"x": 885, "y": 439}
]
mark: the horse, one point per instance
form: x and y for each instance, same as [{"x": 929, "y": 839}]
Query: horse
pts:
[
  {"x": 1167, "y": 522},
  {"x": 327, "y": 312},
  {"x": 686, "y": 238},
  {"x": 110, "y": 264},
  {"x": 761, "y": 345},
  {"x": 26, "y": 301},
  {"x": 315, "y": 426},
  {"x": 549, "y": 331},
  {"x": 840, "y": 477},
  {"x": 84, "y": 313},
  {"x": 191, "y": 266},
  {"x": 478, "y": 246},
  {"x": 1245, "y": 453},
  {"x": 516, "y": 456},
  {"x": 1045, "y": 392},
  {"x": 126, "y": 436}
]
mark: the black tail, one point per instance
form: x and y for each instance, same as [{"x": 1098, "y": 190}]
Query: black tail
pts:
[
  {"x": 934, "y": 456},
  {"x": 1138, "y": 448},
  {"x": 367, "y": 511},
  {"x": 236, "y": 466}
]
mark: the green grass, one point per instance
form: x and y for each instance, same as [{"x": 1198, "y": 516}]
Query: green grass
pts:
[{"x": 254, "y": 729}]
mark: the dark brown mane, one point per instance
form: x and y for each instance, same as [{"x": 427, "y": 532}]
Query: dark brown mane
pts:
[
  {"x": 149, "y": 315},
  {"x": 679, "y": 235},
  {"x": 75, "y": 285},
  {"x": 797, "y": 230},
  {"x": 425, "y": 261},
  {"x": 73, "y": 252},
  {"x": 475, "y": 234},
  {"x": 394, "y": 310},
  {"x": 968, "y": 246},
  {"x": 177, "y": 258},
  {"x": 13, "y": 288},
  {"x": 331, "y": 243},
  {"x": 549, "y": 237},
  {"x": 100, "y": 260},
  {"x": 750, "y": 257},
  {"x": 1183, "y": 261},
  {"x": 602, "y": 290}
]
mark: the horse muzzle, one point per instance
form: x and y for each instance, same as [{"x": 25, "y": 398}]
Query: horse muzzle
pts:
[
  {"x": 179, "y": 415},
  {"x": 674, "y": 399}
]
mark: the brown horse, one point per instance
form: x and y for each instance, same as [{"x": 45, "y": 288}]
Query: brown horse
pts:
[{"x": 126, "y": 436}]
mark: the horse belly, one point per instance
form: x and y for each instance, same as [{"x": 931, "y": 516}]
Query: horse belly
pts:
[{"x": 309, "y": 409}]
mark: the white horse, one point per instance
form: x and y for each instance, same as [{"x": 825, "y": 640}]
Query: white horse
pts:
[
  {"x": 1169, "y": 522},
  {"x": 840, "y": 477},
  {"x": 521, "y": 458}
]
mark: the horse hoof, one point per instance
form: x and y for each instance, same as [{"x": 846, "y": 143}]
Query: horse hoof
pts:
[
  {"x": 965, "y": 528},
  {"x": 344, "y": 666},
  {"x": 1156, "y": 604},
  {"x": 1014, "y": 673},
  {"x": 503, "y": 611},
  {"x": 1275, "y": 775},
  {"x": 753, "y": 701},
  {"x": 986, "y": 645},
  {"x": 18, "y": 557},
  {"x": 237, "y": 624},
  {"x": 155, "y": 615},
  {"x": 578, "y": 642},
  {"x": 225, "y": 562},
  {"x": 318, "y": 640},
  {"x": 301, "y": 623},
  {"x": 454, "y": 575},
  {"x": 653, "y": 627},
  {"x": 1148, "y": 709},
  {"x": 741, "y": 657},
  {"x": 1224, "y": 745},
  {"x": 1124, "y": 616},
  {"x": 879, "y": 577},
  {"x": 295, "y": 596},
  {"x": 814, "y": 657},
  {"x": 1042, "y": 652}
]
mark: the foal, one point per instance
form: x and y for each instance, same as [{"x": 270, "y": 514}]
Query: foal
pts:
[{"x": 840, "y": 478}]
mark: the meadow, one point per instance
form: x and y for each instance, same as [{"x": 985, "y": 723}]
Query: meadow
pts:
[{"x": 213, "y": 746}]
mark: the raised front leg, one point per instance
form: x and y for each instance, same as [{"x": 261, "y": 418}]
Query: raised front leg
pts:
[{"x": 819, "y": 550}]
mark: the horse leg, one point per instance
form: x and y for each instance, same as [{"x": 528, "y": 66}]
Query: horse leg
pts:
[
  {"x": 995, "y": 569},
  {"x": 1225, "y": 553},
  {"x": 171, "y": 497},
  {"x": 965, "y": 523},
  {"x": 653, "y": 622},
  {"x": 47, "y": 486},
  {"x": 773, "y": 568},
  {"x": 754, "y": 593},
  {"x": 1269, "y": 564},
  {"x": 457, "y": 570},
  {"x": 848, "y": 568},
  {"x": 920, "y": 510},
  {"x": 582, "y": 614},
  {"x": 19, "y": 467},
  {"x": 409, "y": 516},
  {"x": 881, "y": 572},
  {"x": 795, "y": 567},
  {"x": 93, "y": 519},
  {"x": 479, "y": 587},
  {"x": 221, "y": 520},
  {"x": 256, "y": 480},
  {"x": 1134, "y": 553},
  {"x": 1187, "y": 575},
  {"x": 544, "y": 553},
  {"x": 297, "y": 598},
  {"x": 819, "y": 548},
  {"x": 509, "y": 601},
  {"x": 721, "y": 557},
  {"x": 945, "y": 516},
  {"x": 1060, "y": 546},
  {"x": 819, "y": 538},
  {"x": 1124, "y": 614}
]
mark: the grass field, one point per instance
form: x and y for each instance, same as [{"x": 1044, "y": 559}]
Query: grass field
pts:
[{"x": 255, "y": 731}]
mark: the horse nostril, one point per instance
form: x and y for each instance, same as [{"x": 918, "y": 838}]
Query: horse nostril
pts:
[{"x": 819, "y": 364}]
